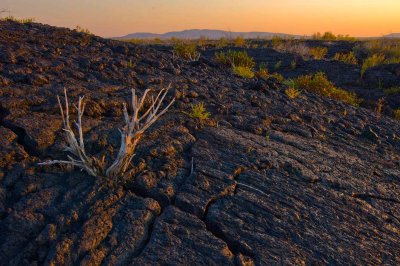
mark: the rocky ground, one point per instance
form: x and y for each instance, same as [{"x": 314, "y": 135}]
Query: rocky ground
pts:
[
  {"x": 370, "y": 88},
  {"x": 274, "y": 181}
]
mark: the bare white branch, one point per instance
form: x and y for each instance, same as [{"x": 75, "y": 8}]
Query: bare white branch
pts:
[{"x": 130, "y": 134}]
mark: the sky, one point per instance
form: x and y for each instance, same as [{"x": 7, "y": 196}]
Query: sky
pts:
[{"x": 112, "y": 18}]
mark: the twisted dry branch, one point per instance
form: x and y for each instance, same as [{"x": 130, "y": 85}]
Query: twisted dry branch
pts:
[{"x": 135, "y": 126}]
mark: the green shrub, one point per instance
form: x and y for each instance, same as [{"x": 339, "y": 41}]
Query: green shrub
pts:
[
  {"x": 263, "y": 70},
  {"x": 222, "y": 42},
  {"x": 391, "y": 91},
  {"x": 239, "y": 41},
  {"x": 131, "y": 64},
  {"x": 319, "y": 84},
  {"x": 244, "y": 72},
  {"x": 235, "y": 58},
  {"x": 392, "y": 61},
  {"x": 374, "y": 60},
  {"x": 187, "y": 51},
  {"x": 318, "y": 53},
  {"x": 348, "y": 58},
  {"x": 199, "y": 112},
  {"x": 292, "y": 93}
]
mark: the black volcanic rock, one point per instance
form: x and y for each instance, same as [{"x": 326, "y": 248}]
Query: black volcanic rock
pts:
[{"x": 274, "y": 181}]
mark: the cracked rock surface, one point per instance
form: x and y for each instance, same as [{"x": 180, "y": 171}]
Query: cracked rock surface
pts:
[{"x": 273, "y": 181}]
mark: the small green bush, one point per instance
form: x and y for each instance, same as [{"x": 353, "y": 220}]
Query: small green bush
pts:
[
  {"x": 131, "y": 64},
  {"x": 239, "y": 41},
  {"x": 292, "y": 93},
  {"x": 187, "y": 51},
  {"x": 199, "y": 112},
  {"x": 235, "y": 58},
  {"x": 318, "y": 53},
  {"x": 243, "y": 72},
  {"x": 319, "y": 84},
  {"x": 222, "y": 42},
  {"x": 348, "y": 58},
  {"x": 374, "y": 60}
]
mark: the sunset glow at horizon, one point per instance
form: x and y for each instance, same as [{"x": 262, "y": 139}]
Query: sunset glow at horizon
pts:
[{"x": 108, "y": 18}]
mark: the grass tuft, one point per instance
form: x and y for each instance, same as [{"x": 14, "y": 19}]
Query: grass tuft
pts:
[
  {"x": 292, "y": 93},
  {"x": 319, "y": 84},
  {"x": 374, "y": 60},
  {"x": 318, "y": 53},
  {"x": 187, "y": 51},
  {"x": 18, "y": 20},
  {"x": 348, "y": 58},
  {"x": 199, "y": 112},
  {"x": 243, "y": 72}
]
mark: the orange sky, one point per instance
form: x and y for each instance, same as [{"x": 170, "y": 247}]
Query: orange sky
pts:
[{"x": 119, "y": 17}]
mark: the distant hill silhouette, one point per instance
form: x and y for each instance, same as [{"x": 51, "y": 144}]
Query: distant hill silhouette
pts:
[
  {"x": 196, "y": 34},
  {"x": 393, "y": 35}
]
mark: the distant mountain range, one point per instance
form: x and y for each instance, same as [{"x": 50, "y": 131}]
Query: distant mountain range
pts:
[
  {"x": 393, "y": 35},
  {"x": 209, "y": 34}
]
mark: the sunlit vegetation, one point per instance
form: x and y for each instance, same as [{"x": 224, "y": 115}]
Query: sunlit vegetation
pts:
[
  {"x": 263, "y": 69},
  {"x": 292, "y": 92},
  {"x": 347, "y": 58},
  {"x": 222, "y": 42},
  {"x": 198, "y": 111},
  {"x": 187, "y": 51},
  {"x": 202, "y": 41},
  {"x": 318, "y": 53},
  {"x": 240, "y": 62},
  {"x": 379, "y": 105},
  {"x": 374, "y": 60},
  {"x": 235, "y": 58},
  {"x": 83, "y": 30},
  {"x": 390, "y": 48},
  {"x": 130, "y": 64},
  {"x": 319, "y": 84},
  {"x": 292, "y": 47},
  {"x": 329, "y": 36},
  {"x": 243, "y": 72},
  {"x": 18, "y": 20},
  {"x": 380, "y": 51},
  {"x": 239, "y": 41},
  {"x": 263, "y": 72}
]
